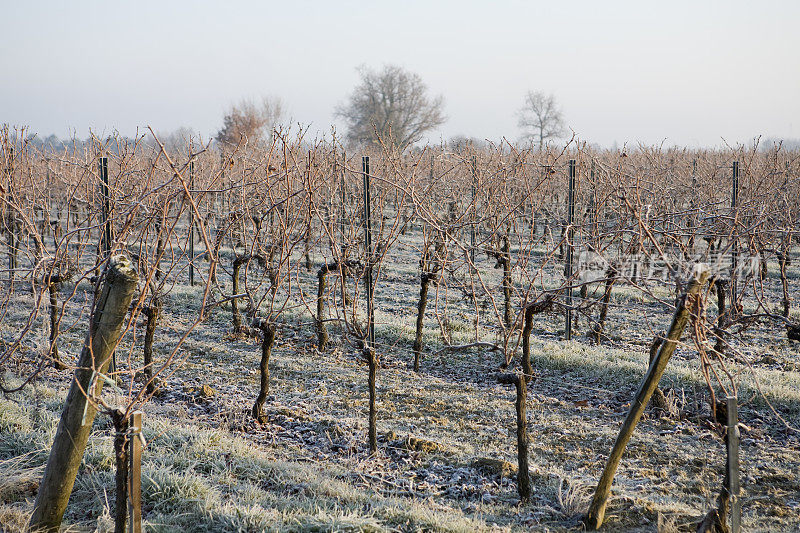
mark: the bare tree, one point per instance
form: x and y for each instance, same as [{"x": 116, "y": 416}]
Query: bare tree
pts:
[
  {"x": 249, "y": 120},
  {"x": 540, "y": 118},
  {"x": 393, "y": 103}
]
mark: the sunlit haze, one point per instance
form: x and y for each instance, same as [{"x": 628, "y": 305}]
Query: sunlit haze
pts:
[{"x": 687, "y": 73}]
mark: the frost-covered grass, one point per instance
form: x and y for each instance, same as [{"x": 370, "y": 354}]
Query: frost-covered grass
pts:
[{"x": 209, "y": 468}]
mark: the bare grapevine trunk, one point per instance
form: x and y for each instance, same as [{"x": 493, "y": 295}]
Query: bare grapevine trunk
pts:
[
  {"x": 611, "y": 277},
  {"x": 719, "y": 346},
  {"x": 782, "y": 263},
  {"x": 506, "y": 253},
  {"x": 523, "y": 470},
  {"x": 159, "y": 250},
  {"x": 322, "y": 274},
  {"x": 425, "y": 281},
  {"x": 307, "y": 245},
  {"x": 121, "y": 478},
  {"x": 152, "y": 313},
  {"x": 236, "y": 315},
  {"x": 583, "y": 293},
  {"x": 503, "y": 257},
  {"x": 322, "y": 331},
  {"x": 268, "y": 340},
  {"x": 53, "y": 283},
  {"x": 530, "y": 310},
  {"x": 13, "y": 246}
]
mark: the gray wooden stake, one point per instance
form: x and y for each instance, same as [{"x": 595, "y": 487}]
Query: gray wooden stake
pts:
[
  {"x": 73, "y": 430},
  {"x": 734, "y": 489},
  {"x": 135, "y": 445},
  {"x": 683, "y": 313}
]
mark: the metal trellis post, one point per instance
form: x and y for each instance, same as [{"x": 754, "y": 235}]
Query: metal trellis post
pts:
[
  {"x": 474, "y": 210},
  {"x": 569, "y": 235},
  {"x": 191, "y": 225},
  {"x": 734, "y": 244},
  {"x": 368, "y": 250},
  {"x": 343, "y": 217},
  {"x": 106, "y": 208}
]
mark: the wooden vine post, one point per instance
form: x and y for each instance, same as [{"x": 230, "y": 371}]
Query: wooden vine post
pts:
[
  {"x": 135, "y": 446},
  {"x": 686, "y": 307},
  {"x": 79, "y": 410},
  {"x": 732, "y": 442},
  {"x": 128, "y": 444},
  {"x": 729, "y": 504}
]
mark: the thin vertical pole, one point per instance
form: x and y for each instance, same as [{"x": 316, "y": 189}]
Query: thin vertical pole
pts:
[
  {"x": 474, "y": 210},
  {"x": 223, "y": 163},
  {"x": 692, "y": 206},
  {"x": 734, "y": 244},
  {"x": 370, "y": 341},
  {"x": 733, "y": 464},
  {"x": 135, "y": 441},
  {"x": 570, "y": 234},
  {"x": 191, "y": 225},
  {"x": 11, "y": 222},
  {"x": 343, "y": 219},
  {"x": 368, "y": 248},
  {"x": 106, "y": 248},
  {"x": 592, "y": 205},
  {"x": 106, "y": 240}
]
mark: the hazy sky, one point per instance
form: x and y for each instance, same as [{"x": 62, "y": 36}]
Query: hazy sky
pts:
[{"x": 692, "y": 73}]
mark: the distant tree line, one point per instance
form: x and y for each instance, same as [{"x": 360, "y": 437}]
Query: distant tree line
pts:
[{"x": 390, "y": 106}]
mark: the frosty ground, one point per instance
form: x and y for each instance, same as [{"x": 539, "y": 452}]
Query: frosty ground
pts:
[{"x": 446, "y": 459}]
